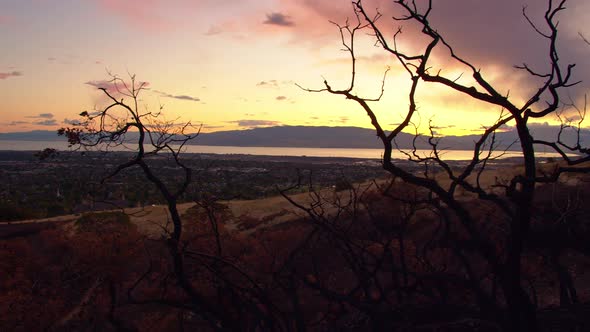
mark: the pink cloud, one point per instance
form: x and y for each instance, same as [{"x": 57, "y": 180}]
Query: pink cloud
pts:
[
  {"x": 142, "y": 13},
  {"x": 313, "y": 17},
  {"x": 218, "y": 28},
  {"x": 6, "y": 19},
  {"x": 115, "y": 88},
  {"x": 322, "y": 9},
  {"x": 232, "y": 15},
  {"x": 489, "y": 34},
  {"x": 4, "y": 76},
  {"x": 214, "y": 30},
  {"x": 157, "y": 15},
  {"x": 305, "y": 21}
]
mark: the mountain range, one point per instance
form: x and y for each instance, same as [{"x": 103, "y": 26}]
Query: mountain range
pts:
[{"x": 327, "y": 137}]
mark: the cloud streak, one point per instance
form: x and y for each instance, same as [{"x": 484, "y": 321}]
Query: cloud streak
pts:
[
  {"x": 111, "y": 87},
  {"x": 274, "y": 84},
  {"x": 255, "y": 123},
  {"x": 41, "y": 119},
  {"x": 41, "y": 116},
  {"x": 157, "y": 16},
  {"x": 6, "y": 75},
  {"x": 45, "y": 123},
  {"x": 103, "y": 84},
  {"x": 141, "y": 13},
  {"x": 271, "y": 83},
  {"x": 214, "y": 30},
  {"x": 48, "y": 123},
  {"x": 71, "y": 122},
  {"x": 17, "y": 123},
  {"x": 179, "y": 97}
]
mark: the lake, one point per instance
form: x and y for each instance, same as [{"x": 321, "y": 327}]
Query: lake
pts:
[{"x": 265, "y": 151}]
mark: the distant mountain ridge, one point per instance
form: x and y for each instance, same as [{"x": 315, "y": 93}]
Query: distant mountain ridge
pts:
[
  {"x": 35, "y": 135},
  {"x": 323, "y": 137},
  {"x": 294, "y": 136}
]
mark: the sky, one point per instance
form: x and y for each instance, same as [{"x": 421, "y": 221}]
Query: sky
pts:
[{"x": 234, "y": 64}]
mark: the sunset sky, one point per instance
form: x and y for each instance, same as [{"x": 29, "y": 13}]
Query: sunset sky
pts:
[{"x": 233, "y": 64}]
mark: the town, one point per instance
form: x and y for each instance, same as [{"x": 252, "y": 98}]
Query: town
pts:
[{"x": 71, "y": 182}]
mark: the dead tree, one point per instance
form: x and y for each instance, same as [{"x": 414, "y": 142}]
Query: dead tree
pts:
[
  {"x": 514, "y": 309},
  {"x": 123, "y": 124}
]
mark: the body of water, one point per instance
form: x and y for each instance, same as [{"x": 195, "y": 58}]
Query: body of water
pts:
[{"x": 266, "y": 151}]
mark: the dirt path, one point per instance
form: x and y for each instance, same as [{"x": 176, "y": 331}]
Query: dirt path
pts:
[{"x": 153, "y": 220}]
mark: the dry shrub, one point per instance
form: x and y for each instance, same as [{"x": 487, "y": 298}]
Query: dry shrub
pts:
[{"x": 47, "y": 275}]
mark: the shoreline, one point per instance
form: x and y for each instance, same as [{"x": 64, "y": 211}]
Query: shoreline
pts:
[{"x": 285, "y": 157}]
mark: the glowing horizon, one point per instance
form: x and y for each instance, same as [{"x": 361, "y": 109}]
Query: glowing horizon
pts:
[{"x": 234, "y": 65}]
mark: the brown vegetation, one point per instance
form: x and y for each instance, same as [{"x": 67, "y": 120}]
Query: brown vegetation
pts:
[
  {"x": 414, "y": 253},
  {"x": 380, "y": 262}
]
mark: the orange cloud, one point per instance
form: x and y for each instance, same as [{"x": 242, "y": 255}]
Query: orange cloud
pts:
[{"x": 488, "y": 34}]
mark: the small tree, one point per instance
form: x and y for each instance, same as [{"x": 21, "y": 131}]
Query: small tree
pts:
[
  {"x": 123, "y": 124},
  {"x": 515, "y": 307}
]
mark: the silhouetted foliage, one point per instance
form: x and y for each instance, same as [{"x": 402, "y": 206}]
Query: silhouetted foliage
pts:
[
  {"x": 434, "y": 247},
  {"x": 476, "y": 237}
]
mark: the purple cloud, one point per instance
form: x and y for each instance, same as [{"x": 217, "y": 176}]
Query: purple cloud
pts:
[
  {"x": 101, "y": 84},
  {"x": 50, "y": 122},
  {"x": 41, "y": 116},
  {"x": 255, "y": 123},
  {"x": 71, "y": 122},
  {"x": 279, "y": 19},
  {"x": 212, "y": 127},
  {"x": 180, "y": 97},
  {"x": 17, "y": 123}
]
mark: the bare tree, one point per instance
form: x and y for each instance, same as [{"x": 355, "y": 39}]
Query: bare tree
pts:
[
  {"x": 123, "y": 124},
  {"x": 515, "y": 308}
]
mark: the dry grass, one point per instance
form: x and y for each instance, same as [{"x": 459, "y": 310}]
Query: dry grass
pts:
[
  {"x": 490, "y": 178},
  {"x": 153, "y": 221}
]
